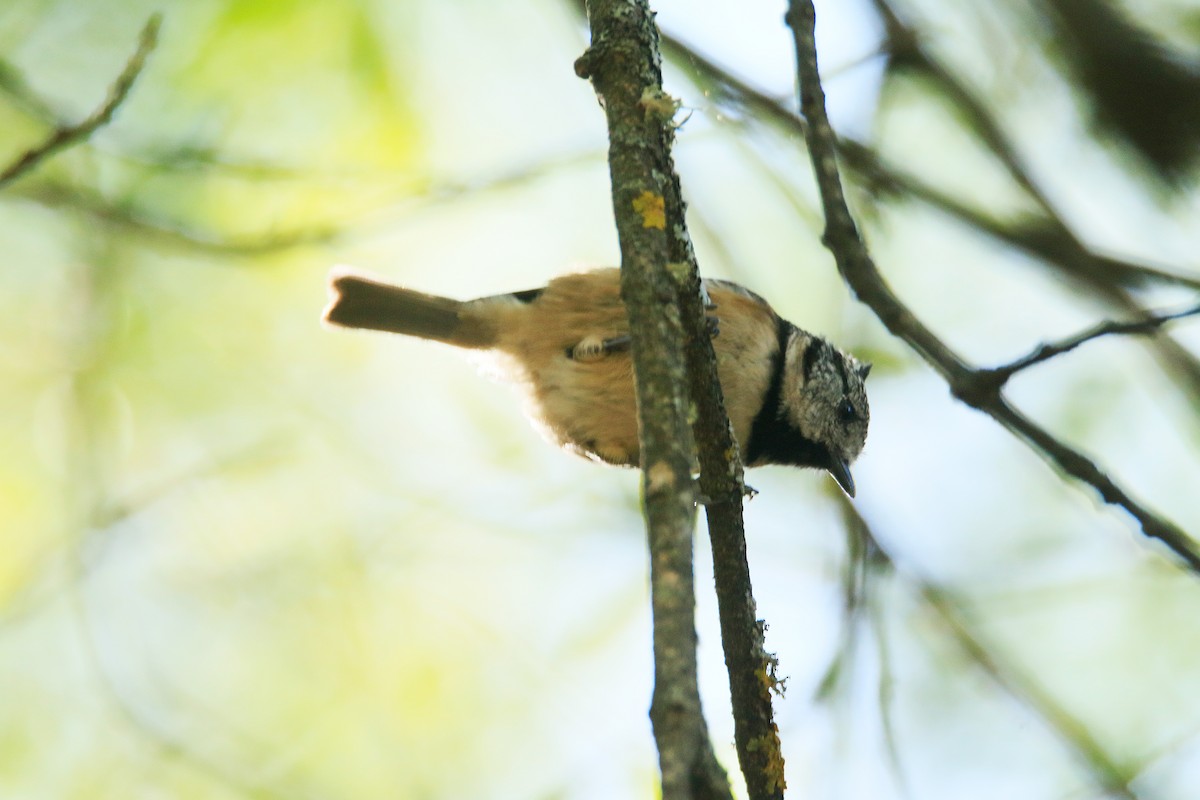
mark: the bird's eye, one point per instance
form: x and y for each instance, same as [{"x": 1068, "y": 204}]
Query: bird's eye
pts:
[{"x": 846, "y": 412}]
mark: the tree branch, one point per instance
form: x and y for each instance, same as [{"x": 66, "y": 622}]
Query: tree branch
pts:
[
  {"x": 750, "y": 668},
  {"x": 1043, "y": 237},
  {"x": 13, "y": 84},
  {"x": 71, "y": 135},
  {"x": 623, "y": 65},
  {"x": 89, "y": 203},
  {"x": 1148, "y": 324},
  {"x": 970, "y": 385},
  {"x": 1047, "y": 237}
]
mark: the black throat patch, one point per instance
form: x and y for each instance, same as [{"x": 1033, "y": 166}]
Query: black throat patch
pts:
[{"x": 773, "y": 439}]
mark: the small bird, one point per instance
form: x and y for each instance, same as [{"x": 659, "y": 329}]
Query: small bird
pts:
[{"x": 792, "y": 397}]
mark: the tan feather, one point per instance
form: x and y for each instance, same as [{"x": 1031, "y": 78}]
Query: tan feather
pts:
[{"x": 357, "y": 301}]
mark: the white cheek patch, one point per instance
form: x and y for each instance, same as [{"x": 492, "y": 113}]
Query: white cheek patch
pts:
[
  {"x": 812, "y": 405},
  {"x": 792, "y": 391}
]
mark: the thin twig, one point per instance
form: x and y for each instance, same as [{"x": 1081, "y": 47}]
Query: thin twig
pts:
[
  {"x": 970, "y": 385},
  {"x": 71, "y": 135},
  {"x": 1150, "y": 323}
]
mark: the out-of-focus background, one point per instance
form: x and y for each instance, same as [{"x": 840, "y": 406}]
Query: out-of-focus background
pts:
[{"x": 245, "y": 556}]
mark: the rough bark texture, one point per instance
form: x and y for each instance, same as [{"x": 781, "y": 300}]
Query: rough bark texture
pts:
[
  {"x": 751, "y": 669},
  {"x": 623, "y": 65}
]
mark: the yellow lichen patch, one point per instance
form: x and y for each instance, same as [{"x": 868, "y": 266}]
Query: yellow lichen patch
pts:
[
  {"x": 656, "y": 101},
  {"x": 768, "y": 675},
  {"x": 773, "y": 769},
  {"x": 652, "y": 210}
]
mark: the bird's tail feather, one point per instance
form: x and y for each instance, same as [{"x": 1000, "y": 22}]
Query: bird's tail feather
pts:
[{"x": 357, "y": 301}]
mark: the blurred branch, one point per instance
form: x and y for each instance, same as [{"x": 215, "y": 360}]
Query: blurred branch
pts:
[
  {"x": 1148, "y": 324},
  {"x": 1083, "y": 745},
  {"x": 968, "y": 384},
  {"x": 13, "y": 84},
  {"x": 118, "y": 509},
  {"x": 87, "y": 504},
  {"x": 865, "y": 564},
  {"x": 165, "y": 743},
  {"x": 71, "y": 135},
  {"x": 1102, "y": 767},
  {"x": 209, "y": 159},
  {"x": 1044, "y": 237},
  {"x": 622, "y": 63},
  {"x": 903, "y": 46},
  {"x": 886, "y": 695},
  {"x": 433, "y": 192},
  {"x": 1137, "y": 87},
  {"x": 86, "y": 201},
  {"x": 1049, "y": 237}
]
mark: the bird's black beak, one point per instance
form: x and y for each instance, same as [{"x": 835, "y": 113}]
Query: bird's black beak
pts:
[{"x": 840, "y": 471}]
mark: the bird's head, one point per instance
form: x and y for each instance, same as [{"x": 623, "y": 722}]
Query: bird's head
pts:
[{"x": 824, "y": 399}]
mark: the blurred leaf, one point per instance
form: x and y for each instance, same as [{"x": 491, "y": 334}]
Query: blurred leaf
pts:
[{"x": 1137, "y": 88}]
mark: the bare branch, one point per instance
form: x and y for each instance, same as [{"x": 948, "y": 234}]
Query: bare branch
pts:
[
  {"x": 623, "y": 65},
  {"x": 970, "y": 385},
  {"x": 71, "y": 135},
  {"x": 1148, "y": 324},
  {"x": 749, "y": 666}
]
